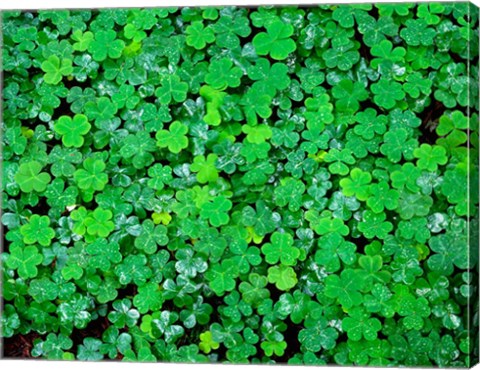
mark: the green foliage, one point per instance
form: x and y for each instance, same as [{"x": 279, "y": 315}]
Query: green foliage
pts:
[
  {"x": 29, "y": 177},
  {"x": 276, "y": 41},
  {"x": 174, "y": 139},
  {"x": 37, "y": 231},
  {"x": 55, "y": 69},
  {"x": 106, "y": 44},
  {"x": 91, "y": 176},
  {"x": 72, "y": 130},
  {"x": 241, "y": 185}
]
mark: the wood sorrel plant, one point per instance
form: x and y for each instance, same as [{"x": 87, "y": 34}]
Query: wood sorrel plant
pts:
[{"x": 268, "y": 185}]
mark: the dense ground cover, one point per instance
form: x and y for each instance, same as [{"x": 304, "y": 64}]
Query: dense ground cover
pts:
[{"x": 274, "y": 184}]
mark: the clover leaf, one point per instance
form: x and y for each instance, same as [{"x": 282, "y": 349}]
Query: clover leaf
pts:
[
  {"x": 99, "y": 223},
  {"x": 374, "y": 225},
  {"x": 381, "y": 197},
  {"x": 317, "y": 334},
  {"x": 198, "y": 35},
  {"x": 360, "y": 325},
  {"x": 149, "y": 298},
  {"x": 92, "y": 176},
  {"x": 281, "y": 249},
  {"x": 333, "y": 250},
  {"x": 106, "y": 44},
  {"x": 417, "y": 32},
  {"x": 430, "y": 157},
  {"x": 345, "y": 287},
  {"x": 72, "y": 130},
  {"x": 55, "y": 69},
  {"x": 222, "y": 277},
  {"x": 357, "y": 184},
  {"x": 397, "y": 144},
  {"x": 174, "y": 138},
  {"x": 133, "y": 269},
  {"x": 448, "y": 253},
  {"x": 387, "y": 93},
  {"x": 53, "y": 347},
  {"x": 37, "y": 231},
  {"x": 222, "y": 74},
  {"x": 24, "y": 260},
  {"x": 276, "y": 41},
  {"x": 216, "y": 211},
  {"x": 83, "y": 39},
  {"x": 172, "y": 89},
  {"x": 30, "y": 178},
  {"x": 205, "y": 168},
  {"x": 269, "y": 78},
  {"x": 103, "y": 254},
  {"x": 342, "y": 54},
  {"x": 254, "y": 291},
  {"x": 284, "y": 277},
  {"x": 290, "y": 192}
]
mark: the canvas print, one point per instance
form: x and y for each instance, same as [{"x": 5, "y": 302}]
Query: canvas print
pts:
[{"x": 269, "y": 184}]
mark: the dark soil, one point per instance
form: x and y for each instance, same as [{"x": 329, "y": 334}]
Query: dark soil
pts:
[{"x": 19, "y": 345}]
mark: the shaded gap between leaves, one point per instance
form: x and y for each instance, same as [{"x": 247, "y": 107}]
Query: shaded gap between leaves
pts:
[
  {"x": 430, "y": 117},
  {"x": 19, "y": 345}
]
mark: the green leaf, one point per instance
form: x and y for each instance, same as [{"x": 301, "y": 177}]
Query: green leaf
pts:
[
  {"x": 198, "y": 36},
  {"x": 276, "y": 41},
  {"x": 317, "y": 334},
  {"x": 138, "y": 148},
  {"x": 374, "y": 225},
  {"x": 281, "y": 250},
  {"x": 151, "y": 237},
  {"x": 106, "y": 45},
  {"x": 222, "y": 74},
  {"x": 449, "y": 252},
  {"x": 37, "y": 231},
  {"x": 55, "y": 69},
  {"x": 417, "y": 32},
  {"x": 382, "y": 197},
  {"x": 216, "y": 211},
  {"x": 24, "y": 260},
  {"x": 387, "y": 93},
  {"x": 90, "y": 350},
  {"x": 103, "y": 254},
  {"x": 342, "y": 54},
  {"x": 133, "y": 269},
  {"x": 284, "y": 277},
  {"x": 99, "y": 223},
  {"x": 360, "y": 325},
  {"x": 205, "y": 168},
  {"x": 29, "y": 177},
  {"x": 149, "y": 298},
  {"x": 397, "y": 144},
  {"x": 357, "y": 185},
  {"x": 345, "y": 288},
  {"x": 333, "y": 249},
  {"x": 254, "y": 291},
  {"x": 174, "y": 138},
  {"x": 207, "y": 343},
  {"x": 92, "y": 176},
  {"x": 277, "y": 348},
  {"x": 430, "y": 157},
  {"x": 222, "y": 276},
  {"x": 43, "y": 290},
  {"x": 83, "y": 39},
  {"x": 123, "y": 314},
  {"x": 172, "y": 89},
  {"x": 72, "y": 130}
]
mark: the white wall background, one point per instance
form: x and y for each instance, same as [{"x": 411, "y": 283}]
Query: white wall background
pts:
[{"x": 47, "y": 4}]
